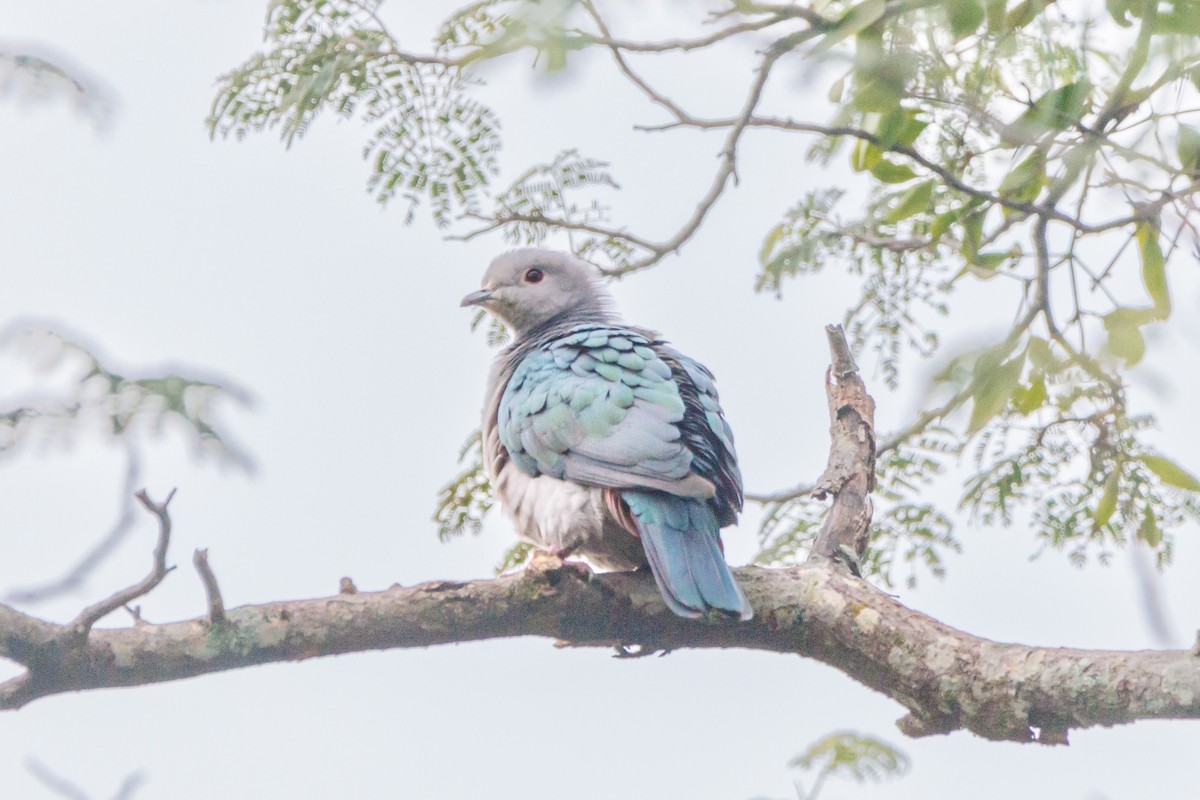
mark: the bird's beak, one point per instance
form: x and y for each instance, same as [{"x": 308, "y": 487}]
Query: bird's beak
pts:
[{"x": 476, "y": 298}]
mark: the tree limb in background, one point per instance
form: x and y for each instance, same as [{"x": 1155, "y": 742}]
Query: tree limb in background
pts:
[{"x": 64, "y": 788}]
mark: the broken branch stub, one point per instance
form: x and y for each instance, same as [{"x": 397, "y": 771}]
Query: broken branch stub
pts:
[{"x": 849, "y": 474}]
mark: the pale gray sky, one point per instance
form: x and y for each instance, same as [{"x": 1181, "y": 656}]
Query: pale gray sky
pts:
[{"x": 278, "y": 270}]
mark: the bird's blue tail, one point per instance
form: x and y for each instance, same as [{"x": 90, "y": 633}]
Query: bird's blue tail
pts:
[{"x": 680, "y": 538}]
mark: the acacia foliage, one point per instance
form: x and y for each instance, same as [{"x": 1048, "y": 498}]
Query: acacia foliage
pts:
[{"x": 1052, "y": 149}]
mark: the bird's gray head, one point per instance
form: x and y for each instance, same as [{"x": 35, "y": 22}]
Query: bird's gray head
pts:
[{"x": 528, "y": 287}]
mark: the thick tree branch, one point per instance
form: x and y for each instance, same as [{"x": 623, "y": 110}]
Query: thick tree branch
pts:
[{"x": 948, "y": 680}]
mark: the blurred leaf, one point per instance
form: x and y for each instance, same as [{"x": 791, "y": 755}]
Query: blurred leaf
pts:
[
  {"x": 1039, "y": 352},
  {"x": 1025, "y": 181},
  {"x": 888, "y": 172},
  {"x": 1026, "y": 400},
  {"x": 858, "y": 18},
  {"x": 997, "y": 16},
  {"x": 1025, "y": 12},
  {"x": 1119, "y": 9},
  {"x": 1169, "y": 472},
  {"x": 1148, "y": 531},
  {"x": 880, "y": 82},
  {"x": 1057, "y": 109},
  {"x": 1187, "y": 146},
  {"x": 514, "y": 557},
  {"x": 1153, "y": 269},
  {"x": 1125, "y": 338},
  {"x": 864, "y": 156},
  {"x": 992, "y": 386},
  {"x": 463, "y": 502},
  {"x": 768, "y": 245},
  {"x": 899, "y": 126},
  {"x": 941, "y": 223},
  {"x": 1106, "y": 506},
  {"x": 917, "y": 199},
  {"x": 853, "y": 756},
  {"x": 965, "y": 17},
  {"x": 836, "y": 89}
]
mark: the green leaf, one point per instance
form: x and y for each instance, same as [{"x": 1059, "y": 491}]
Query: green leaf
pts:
[
  {"x": 942, "y": 222},
  {"x": 889, "y": 172},
  {"x": 965, "y": 17},
  {"x": 972, "y": 234},
  {"x": 835, "y": 91},
  {"x": 997, "y": 17},
  {"x": 880, "y": 78},
  {"x": 1119, "y": 10},
  {"x": 1106, "y": 506},
  {"x": 1125, "y": 338},
  {"x": 1025, "y": 181},
  {"x": 917, "y": 199},
  {"x": 1025, "y": 12},
  {"x": 1029, "y": 399},
  {"x": 899, "y": 126},
  {"x": 992, "y": 386},
  {"x": 1188, "y": 148},
  {"x": 768, "y": 246},
  {"x": 1128, "y": 343},
  {"x": 864, "y": 156},
  {"x": 1170, "y": 473},
  {"x": 851, "y": 756},
  {"x": 858, "y": 18},
  {"x": 984, "y": 265},
  {"x": 1039, "y": 352},
  {"x": 1183, "y": 18},
  {"x": 1148, "y": 531},
  {"x": 1058, "y": 109},
  {"x": 1154, "y": 273}
]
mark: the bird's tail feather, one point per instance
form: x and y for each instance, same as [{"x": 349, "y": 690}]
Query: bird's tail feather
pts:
[{"x": 681, "y": 539}]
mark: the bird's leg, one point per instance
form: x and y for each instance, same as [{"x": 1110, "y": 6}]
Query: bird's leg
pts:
[{"x": 545, "y": 561}]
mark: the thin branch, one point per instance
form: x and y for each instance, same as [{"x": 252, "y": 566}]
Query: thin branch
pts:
[
  {"x": 885, "y": 444},
  {"x": 83, "y": 623},
  {"x": 53, "y": 781},
  {"x": 75, "y": 577},
  {"x": 945, "y": 173},
  {"x": 728, "y": 167},
  {"x": 216, "y": 606}
]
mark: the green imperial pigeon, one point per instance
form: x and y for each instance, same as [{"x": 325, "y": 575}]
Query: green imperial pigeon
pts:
[{"x": 602, "y": 441}]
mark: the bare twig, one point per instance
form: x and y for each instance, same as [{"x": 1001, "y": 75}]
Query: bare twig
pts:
[
  {"x": 64, "y": 788},
  {"x": 216, "y": 607},
  {"x": 53, "y": 781},
  {"x": 83, "y": 623}
]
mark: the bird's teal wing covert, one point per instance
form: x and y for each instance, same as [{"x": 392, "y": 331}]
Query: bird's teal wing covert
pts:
[{"x": 600, "y": 407}]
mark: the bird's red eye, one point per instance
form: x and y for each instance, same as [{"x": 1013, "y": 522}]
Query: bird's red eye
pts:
[{"x": 534, "y": 275}]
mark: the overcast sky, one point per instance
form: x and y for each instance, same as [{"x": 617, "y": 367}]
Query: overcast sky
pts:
[{"x": 278, "y": 270}]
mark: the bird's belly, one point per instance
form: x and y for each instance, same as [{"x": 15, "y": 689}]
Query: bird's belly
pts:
[{"x": 567, "y": 519}]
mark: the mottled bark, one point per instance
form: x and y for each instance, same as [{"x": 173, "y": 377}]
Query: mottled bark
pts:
[
  {"x": 850, "y": 472},
  {"x": 948, "y": 680}
]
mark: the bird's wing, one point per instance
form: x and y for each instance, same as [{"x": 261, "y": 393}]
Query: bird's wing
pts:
[
  {"x": 706, "y": 432},
  {"x": 599, "y": 407}
]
